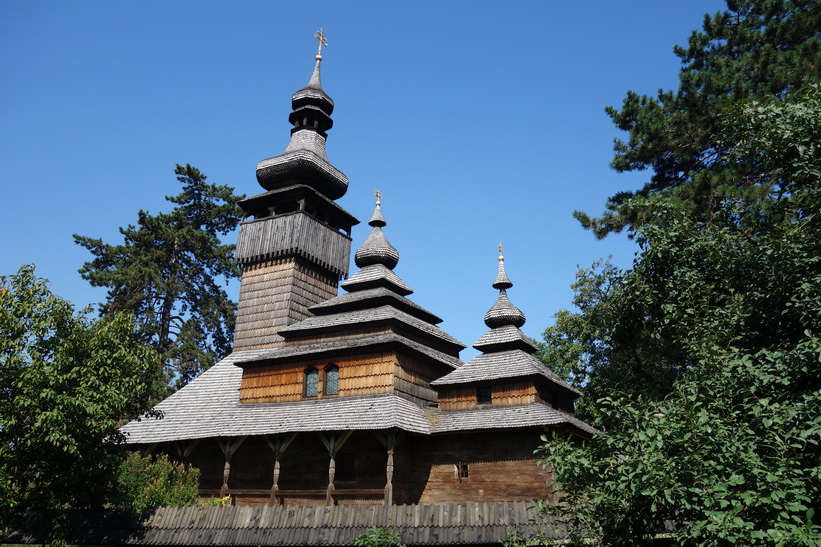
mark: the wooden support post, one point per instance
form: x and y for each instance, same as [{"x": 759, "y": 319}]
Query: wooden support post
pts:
[
  {"x": 389, "y": 440},
  {"x": 389, "y": 475},
  {"x": 228, "y": 447},
  {"x": 277, "y": 444},
  {"x": 184, "y": 449},
  {"x": 333, "y": 442}
]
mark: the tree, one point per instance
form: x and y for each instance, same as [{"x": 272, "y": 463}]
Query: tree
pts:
[
  {"x": 149, "y": 482},
  {"x": 731, "y": 453},
  {"x": 66, "y": 383},
  {"x": 755, "y": 49},
  {"x": 169, "y": 272}
]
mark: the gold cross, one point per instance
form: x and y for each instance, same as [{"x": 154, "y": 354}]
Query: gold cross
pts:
[
  {"x": 320, "y": 35},
  {"x": 378, "y": 195}
]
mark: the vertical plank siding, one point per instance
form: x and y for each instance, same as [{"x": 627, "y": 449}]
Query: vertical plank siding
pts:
[
  {"x": 294, "y": 234},
  {"x": 441, "y": 524}
]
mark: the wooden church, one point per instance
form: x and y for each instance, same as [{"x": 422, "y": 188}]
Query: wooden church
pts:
[{"x": 358, "y": 398}]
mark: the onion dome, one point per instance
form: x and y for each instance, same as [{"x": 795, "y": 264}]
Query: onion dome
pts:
[
  {"x": 376, "y": 249},
  {"x": 503, "y": 312},
  {"x": 305, "y": 160}
]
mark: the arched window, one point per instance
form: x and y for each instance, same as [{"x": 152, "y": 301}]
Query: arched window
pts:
[
  {"x": 331, "y": 380},
  {"x": 311, "y": 382}
]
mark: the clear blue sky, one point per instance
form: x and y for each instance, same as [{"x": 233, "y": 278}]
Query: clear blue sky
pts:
[{"x": 479, "y": 121}]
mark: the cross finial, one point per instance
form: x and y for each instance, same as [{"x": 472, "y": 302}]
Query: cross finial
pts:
[
  {"x": 378, "y": 195},
  {"x": 501, "y": 253},
  {"x": 320, "y": 35}
]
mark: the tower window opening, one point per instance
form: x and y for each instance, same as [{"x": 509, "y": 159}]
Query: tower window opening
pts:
[
  {"x": 484, "y": 395},
  {"x": 331, "y": 380},
  {"x": 462, "y": 471},
  {"x": 311, "y": 382}
]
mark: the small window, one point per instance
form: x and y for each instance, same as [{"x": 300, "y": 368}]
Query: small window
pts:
[
  {"x": 311, "y": 382},
  {"x": 331, "y": 380},
  {"x": 462, "y": 471},
  {"x": 484, "y": 395}
]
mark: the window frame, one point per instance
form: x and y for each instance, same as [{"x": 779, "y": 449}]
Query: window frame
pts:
[
  {"x": 330, "y": 369},
  {"x": 307, "y": 384},
  {"x": 484, "y": 395}
]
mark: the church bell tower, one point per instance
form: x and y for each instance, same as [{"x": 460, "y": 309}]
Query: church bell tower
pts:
[{"x": 294, "y": 245}]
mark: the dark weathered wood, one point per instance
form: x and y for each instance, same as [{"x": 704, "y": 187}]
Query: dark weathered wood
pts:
[{"x": 294, "y": 234}]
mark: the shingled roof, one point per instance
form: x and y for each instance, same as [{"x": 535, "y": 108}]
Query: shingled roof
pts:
[
  {"x": 504, "y": 417},
  {"x": 210, "y": 407},
  {"x": 507, "y": 351}
]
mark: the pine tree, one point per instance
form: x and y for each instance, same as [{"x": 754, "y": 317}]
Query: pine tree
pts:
[
  {"x": 755, "y": 49},
  {"x": 170, "y": 271}
]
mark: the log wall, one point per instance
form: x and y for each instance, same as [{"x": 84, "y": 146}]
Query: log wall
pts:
[
  {"x": 500, "y": 467},
  {"x": 459, "y": 398}
]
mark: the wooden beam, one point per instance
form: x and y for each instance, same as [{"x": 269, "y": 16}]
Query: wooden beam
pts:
[
  {"x": 278, "y": 444},
  {"x": 333, "y": 442},
  {"x": 229, "y": 447},
  {"x": 389, "y": 439},
  {"x": 184, "y": 448}
]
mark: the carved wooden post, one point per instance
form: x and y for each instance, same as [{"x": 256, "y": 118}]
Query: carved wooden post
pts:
[
  {"x": 278, "y": 446},
  {"x": 226, "y": 472},
  {"x": 228, "y": 448},
  {"x": 389, "y": 476},
  {"x": 333, "y": 443},
  {"x": 389, "y": 440}
]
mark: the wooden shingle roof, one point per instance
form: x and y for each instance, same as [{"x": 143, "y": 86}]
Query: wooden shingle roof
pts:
[
  {"x": 362, "y": 318},
  {"x": 501, "y": 365},
  {"x": 505, "y": 417},
  {"x": 210, "y": 407},
  {"x": 371, "y": 298}
]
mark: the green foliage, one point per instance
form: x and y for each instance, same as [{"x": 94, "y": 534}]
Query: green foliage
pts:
[
  {"x": 379, "y": 537},
  {"x": 148, "y": 482},
  {"x": 767, "y": 49},
  {"x": 731, "y": 452},
  {"x": 169, "y": 273},
  {"x": 66, "y": 383},
  {"x": 731, "y": 456}
]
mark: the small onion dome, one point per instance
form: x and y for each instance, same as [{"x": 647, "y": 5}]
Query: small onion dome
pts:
[
  {"x": 504, "y": 313},
  {"x": 376, "y": 249}
]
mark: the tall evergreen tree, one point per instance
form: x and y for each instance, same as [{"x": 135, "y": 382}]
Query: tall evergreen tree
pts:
[
  {"x": 702, "y": 359},
  {"x": 757, "y": 48},
  {"x": 170, "y": 271}
]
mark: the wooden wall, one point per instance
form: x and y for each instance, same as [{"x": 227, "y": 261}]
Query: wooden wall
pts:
[
  {"x": 276, "y": 293},
  {"x": 500, "y": 466},
  {"x": 517, "y": 393},
  {"x": 359, "y": 375}
]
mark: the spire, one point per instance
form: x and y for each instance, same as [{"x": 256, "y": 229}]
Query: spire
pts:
[
  {"x": 503, "y": 312},
  {"x": 315, "y": 81},
  {"x": 376, "y": 249},
  {"x": 502, "y": 282},
  {"x": 305, "y": 160}
]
